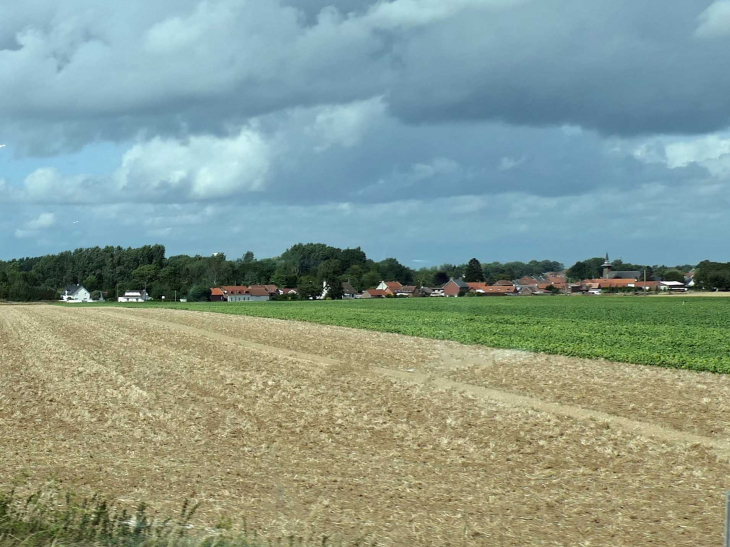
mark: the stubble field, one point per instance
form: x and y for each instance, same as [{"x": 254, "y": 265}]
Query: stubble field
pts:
[{"x": 309, "y": 429}]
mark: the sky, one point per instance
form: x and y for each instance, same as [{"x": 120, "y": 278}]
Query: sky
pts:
[{"x": 426, "y": 130}]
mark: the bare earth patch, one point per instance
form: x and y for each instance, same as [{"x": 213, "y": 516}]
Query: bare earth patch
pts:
[{"x": 304, "y": 429}]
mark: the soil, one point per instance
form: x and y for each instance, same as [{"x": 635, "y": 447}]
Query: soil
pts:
[{"x": 308, "y": 430}]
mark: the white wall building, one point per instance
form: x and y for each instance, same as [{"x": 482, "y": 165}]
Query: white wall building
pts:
[
  {"x": 673, "y": 286},
  {"x": 76, "y": 293},
  {"x": 134, "y": 296}
]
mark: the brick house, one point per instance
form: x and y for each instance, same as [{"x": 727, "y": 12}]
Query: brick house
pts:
[
  {"x": 455, "y": 286},
  {"x": 374, "y": 293}
]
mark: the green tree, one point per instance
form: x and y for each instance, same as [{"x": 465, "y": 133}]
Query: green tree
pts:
[
  {"x": 334, "y": 288},
  {"x": 308, "y": 288},
  {"x": 473, "y": 271},
  {"x": 329, "y": 270},
  {"x": 371, "y": 279},
  {"x": 673, "y": 275},
  {"x": 440, "y": 278},
  {"x": 199, "y": 293},
  {"x": 144, "y": 275}
]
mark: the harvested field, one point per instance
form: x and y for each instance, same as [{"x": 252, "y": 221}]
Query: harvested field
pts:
[{"x": 311, "y": 429}]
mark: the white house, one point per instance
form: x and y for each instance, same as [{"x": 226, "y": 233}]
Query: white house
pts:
[
  {"x": 134, "y": 296},
  {"x": 672, "y": 286},
  {"x": 76, "y": 293}
]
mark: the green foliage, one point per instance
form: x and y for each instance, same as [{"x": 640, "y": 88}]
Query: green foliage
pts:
[
  {"x": 371, "y": 280},
  {"x": 49, "y": 519},
  {"x": 473, "y": 271},
  {"x": 334, "y": 288},
  {"x": 392, "y": 270},
  {"x": 671, "y": 332},
  {"x": 440, "y": 279},
  {"x": 308, "y": 288},
  {"x": 713, "y": 275},
  {"x": 199, "y": 293},
  {"x": 586, "y": 269},
  {"x": 673, "y": 275}
]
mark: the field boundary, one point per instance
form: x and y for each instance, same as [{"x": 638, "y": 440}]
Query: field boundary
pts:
[{"x": 504, "y": 397}]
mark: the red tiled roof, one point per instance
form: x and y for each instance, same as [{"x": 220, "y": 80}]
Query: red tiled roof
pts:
[
  {"x": 474, "y": 285},
  {"x": 234, "y": 289},
  {"x": 491, "y": 288},
  {"x": 258, "y": 291},
  {"x": 499, "y": 288},
  {"x": 392, "y": 285},
  {"x": 216, "y": 292},
  {"x": 647, "y": 283},
  {"x": 606, "y": 283},
  {"x": 376, "y": 292},
  {"x": 505, "y": 283}
]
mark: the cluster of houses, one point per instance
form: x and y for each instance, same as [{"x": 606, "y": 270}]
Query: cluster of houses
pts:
[
  {"x": 254, "y": 293},
  {"x": 74, "y": 294},
  {"x": 549, "y": 283}
]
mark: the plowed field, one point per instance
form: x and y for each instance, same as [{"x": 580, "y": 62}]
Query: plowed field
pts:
[{"x": 307, "y": 429}]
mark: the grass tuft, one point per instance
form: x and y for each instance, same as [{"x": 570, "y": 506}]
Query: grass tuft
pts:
[{"x": 46, "y": 519}]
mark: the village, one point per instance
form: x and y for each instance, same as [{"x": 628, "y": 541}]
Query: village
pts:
[{"x": 551, "y": 283}]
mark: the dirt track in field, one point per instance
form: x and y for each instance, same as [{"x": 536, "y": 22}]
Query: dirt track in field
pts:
[{"x": 311, "y": 429}]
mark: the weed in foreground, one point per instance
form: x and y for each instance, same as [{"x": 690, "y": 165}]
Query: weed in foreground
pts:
[{"x": 46, "y": 519}]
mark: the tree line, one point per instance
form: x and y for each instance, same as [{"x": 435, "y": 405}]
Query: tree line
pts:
[
  {"x": 592, "y": 268},
  {"x": 112, "y": 270},
  {"x": 306, "y": 266}
]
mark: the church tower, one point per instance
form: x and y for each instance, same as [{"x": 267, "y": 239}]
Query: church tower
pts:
[{"x": 607, "y": 268}]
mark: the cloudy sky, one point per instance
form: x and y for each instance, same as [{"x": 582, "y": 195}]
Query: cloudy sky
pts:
[{"x": 429, "y": 130}]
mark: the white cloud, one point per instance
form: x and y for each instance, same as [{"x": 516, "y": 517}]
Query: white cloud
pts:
[
  {"x": 44, "y": 220},
  {"x": 715, "y": 20},
  {"x": 203, "y": 167},
  {"x": 411, "y": 13},
  {"x": 507, "y": 163},
  {"x": 699, "y": 150},
  {"x": 437, "y": 167},
  {"x": 346, "y": 124},
  {"x": 33, "y": 227}
]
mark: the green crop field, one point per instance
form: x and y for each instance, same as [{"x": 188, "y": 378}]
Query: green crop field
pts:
[{"x": 691, "y": 333}]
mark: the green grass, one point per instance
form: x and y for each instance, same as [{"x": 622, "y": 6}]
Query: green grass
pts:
[
  {"x": 677, "y": 332},
  {"x": 48, "y": 519}
]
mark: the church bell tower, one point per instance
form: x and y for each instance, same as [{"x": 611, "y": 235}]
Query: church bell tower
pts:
[{"x": 606, "y": 268}]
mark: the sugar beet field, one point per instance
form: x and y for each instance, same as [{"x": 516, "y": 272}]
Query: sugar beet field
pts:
[
  {"x": 674, "y": 331},
  {"x": 308, "y": 429}
]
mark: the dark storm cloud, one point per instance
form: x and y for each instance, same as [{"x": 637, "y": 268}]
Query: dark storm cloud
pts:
[
  {"x": 80, "y": 71},
  {"x": 492, "y": 118},
  {"x": 619, "y": 67}
]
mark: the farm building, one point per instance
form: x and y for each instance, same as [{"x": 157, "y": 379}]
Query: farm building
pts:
[
  {"x": 134, "y": 296},
  {"x": 75, "y": 294},
  {"x": 672, "y": 286},
  {"x": 271, "y": 290},
  {"x": 255, "y": 293}
]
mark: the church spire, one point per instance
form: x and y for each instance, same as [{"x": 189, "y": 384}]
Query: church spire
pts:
[{"x": 607, "y": 266}]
